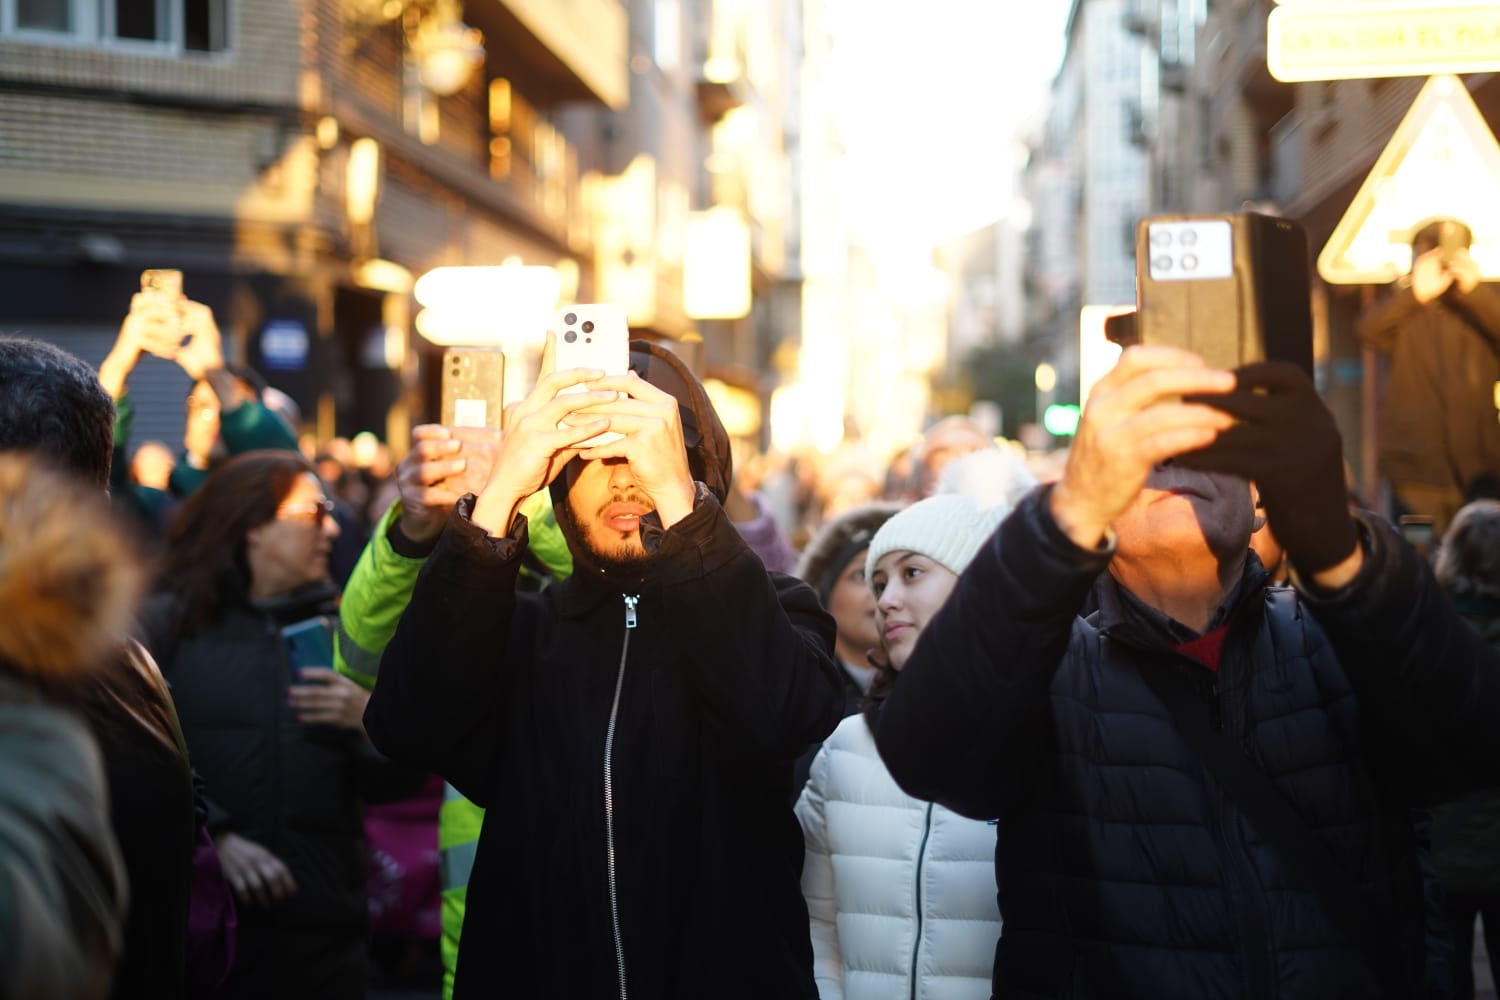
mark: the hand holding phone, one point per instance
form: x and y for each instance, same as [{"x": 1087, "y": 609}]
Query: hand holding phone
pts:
[
  {"x": 444, "y": 464},
  {"x": 161, "y": 301}
]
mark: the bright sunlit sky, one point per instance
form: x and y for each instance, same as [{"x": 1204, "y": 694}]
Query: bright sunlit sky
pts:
[{"x": 929, "y": 97}]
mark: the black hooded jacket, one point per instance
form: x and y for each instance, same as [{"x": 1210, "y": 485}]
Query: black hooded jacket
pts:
[{"x": 679, "y": 696}]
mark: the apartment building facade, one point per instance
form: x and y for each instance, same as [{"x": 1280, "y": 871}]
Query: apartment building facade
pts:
[{"x": 303, "y": 161}]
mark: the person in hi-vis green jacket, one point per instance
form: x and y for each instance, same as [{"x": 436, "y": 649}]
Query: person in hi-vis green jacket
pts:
[{"x": 443, "y": 465}]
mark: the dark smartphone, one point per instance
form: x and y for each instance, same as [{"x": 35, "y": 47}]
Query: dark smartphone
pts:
[
  {"x": 1231, "y": 288},
  {"x": 1419, "y": 532},
  {"x": 309, "y": 643},
  {"x": 473, "y": 387}
]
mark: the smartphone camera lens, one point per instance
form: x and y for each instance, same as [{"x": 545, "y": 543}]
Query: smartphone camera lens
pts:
[
  {"x": 570, "y": 319},
  {"x": 570, "y": 336},
  {"x": 588, "y": 326}
]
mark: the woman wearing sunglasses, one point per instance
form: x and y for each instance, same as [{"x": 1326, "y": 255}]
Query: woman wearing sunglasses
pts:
[{"x": 280, "y": 746}]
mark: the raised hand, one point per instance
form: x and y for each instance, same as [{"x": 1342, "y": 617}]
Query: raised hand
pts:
[
  {"x": 444, "y": 464},
  {"x": 1285, "y": 440},
  {"x": 1465, "y": 271},
  {"x": 204, "y": 350},
  {"x": 152, "y": 326},
  {"x": 1429, "y": 277},
  {"x": 1135, "y": 418},
  {"x": 537, "y": 445},
  {"x": 653, "y": 442}
]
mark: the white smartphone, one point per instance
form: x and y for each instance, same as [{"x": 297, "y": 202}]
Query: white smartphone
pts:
[{"x": 593, "y": 335}]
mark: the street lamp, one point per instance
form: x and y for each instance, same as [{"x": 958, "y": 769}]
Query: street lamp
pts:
[{"x": 446, "y": 50}]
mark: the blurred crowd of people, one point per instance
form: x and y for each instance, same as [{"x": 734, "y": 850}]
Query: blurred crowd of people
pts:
[{"x": 321, "y": 713}]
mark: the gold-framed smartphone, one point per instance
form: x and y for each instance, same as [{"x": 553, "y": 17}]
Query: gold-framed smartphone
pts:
[
  {"x": 165, "y": 282},
  {"x": 473, "y": 387}
]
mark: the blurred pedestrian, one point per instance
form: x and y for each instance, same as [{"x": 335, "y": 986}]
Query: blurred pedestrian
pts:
[
  {"x": 52, "y": 406},
  {"x": 227, "y": 412},
  {"x": 68, "y": 587},
  {"x": 944, "y": 441},
  {"x": 1205, "y": 787},
  {"x": 865, "y": 836},
  {"x": 1466, "y": 833},
  {"x": 1440, "y": 325},
  {"x": 281, "y": 748},
  {"x": 833, "y": 564}
]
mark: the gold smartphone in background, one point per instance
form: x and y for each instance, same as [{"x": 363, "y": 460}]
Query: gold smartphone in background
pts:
[
  {"x": 473, "y": 387},
  {"x": 164, "y": 282}
]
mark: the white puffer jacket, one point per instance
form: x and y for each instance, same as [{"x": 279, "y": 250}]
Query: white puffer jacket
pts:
[{"x": 897, "y": 889}]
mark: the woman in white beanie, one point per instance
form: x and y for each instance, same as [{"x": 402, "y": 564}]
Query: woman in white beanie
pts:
[{"x": 900, "y": 892}]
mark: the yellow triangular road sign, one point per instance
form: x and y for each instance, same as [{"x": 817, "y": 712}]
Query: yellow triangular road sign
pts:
[{"x": 1442, "y": 161}]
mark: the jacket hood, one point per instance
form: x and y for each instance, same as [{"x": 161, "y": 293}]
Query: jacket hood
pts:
[
  {"x": 69, "y": 580},
  {"x": 709, "y": 457}
]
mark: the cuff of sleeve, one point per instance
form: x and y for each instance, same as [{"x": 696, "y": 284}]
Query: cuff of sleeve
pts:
[
  {"x": 697, "y": 545},
  {"x": 1377, "y": 562},
  {"x": 470, "y": 557},
  {"x": 403, "y": 544},
  {"x": 1057, "y": 542}
]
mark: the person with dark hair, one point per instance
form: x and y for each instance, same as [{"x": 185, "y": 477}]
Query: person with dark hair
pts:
[
  {"x": 62, "y": 882},
  {"x": 279, "y": 746},
  {"x": 629, "y": 730},
  {"x": 1206, "y": 786},
  {"x": 1440, "y": 325},
  {"x": 864, "y": 835},
  {"x": 52, "y": 406},
  {"x": 1466, "y": 833}
]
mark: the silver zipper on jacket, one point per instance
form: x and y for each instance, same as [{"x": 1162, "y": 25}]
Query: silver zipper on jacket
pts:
[
  {"x": 916, "y": 948},
  {"x": 609, "y": 794}
]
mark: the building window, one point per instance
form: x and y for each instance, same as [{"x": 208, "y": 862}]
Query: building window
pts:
[
  {"x": 182, "y": 25},
  {"x": 46, "y": 15}
]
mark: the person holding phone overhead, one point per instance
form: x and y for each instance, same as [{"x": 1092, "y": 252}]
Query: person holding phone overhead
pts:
[
  {"x": 1440, "y": 415},
  {"x": 630, "y": 729},
  {"x": 282, "y": 755},
  {"x": 1204, "y": 786}
]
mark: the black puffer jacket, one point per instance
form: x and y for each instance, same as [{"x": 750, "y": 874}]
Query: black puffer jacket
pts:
[
  {"x": 723, "y": 673},
  {"x": 1466, "y": 833},
  {"x": 1123, "y": 870},
  {"x": 290, "y": 787}
]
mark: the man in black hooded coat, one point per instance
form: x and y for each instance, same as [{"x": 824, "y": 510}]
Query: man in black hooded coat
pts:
[{"x": 629, "y": 730}]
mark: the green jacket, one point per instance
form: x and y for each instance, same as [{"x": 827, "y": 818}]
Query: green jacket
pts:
[
  {"x": 248, "y": 427},
  {"x": 143, "y": 502},
  {"x": 374, "y": 599}
]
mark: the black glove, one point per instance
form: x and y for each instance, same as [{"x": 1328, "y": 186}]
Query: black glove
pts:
[{"x": 1287, "y": 443}]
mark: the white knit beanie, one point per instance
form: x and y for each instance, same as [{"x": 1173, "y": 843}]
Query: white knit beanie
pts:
[{"x": 948, "y": 529}]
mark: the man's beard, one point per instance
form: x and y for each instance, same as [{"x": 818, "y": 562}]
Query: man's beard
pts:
[{"x": 620, "y": 554}]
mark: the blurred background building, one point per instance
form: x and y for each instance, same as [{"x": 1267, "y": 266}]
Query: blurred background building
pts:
[
  {"x": 706, "y": 163},
  {"x": 304, "y": 163},
  {"x": 1212, "y": 131}
]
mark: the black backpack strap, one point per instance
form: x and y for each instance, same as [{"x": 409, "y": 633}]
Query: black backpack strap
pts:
[{"x": 1262, "y": 802}]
